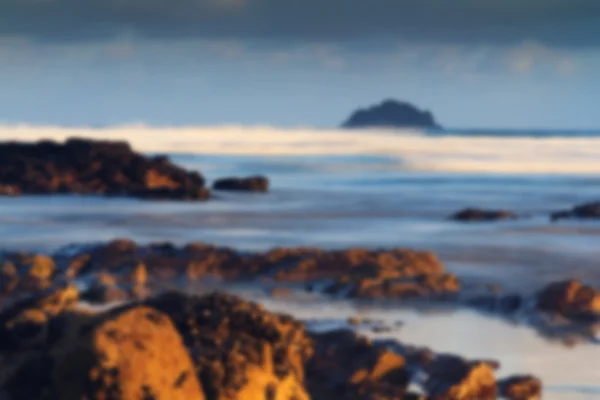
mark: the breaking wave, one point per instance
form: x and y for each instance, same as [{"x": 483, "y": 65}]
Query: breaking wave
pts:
[{"x": 452, "y": 152}]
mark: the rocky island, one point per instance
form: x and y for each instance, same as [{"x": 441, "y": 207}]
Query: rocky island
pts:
[
  {"x": 391, "y": 114},
  {"x": 82, "y": 166}
]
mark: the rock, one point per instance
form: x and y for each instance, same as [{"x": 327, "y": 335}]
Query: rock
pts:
[
  {"x": 23, "y": 325},
  {"x": 216, "y": 346},
  {"x": 347, "y": 366},
  {"x": 113, "y": 256},
  {"x": 35, "y": 270},
  {"x": 99, "y": 294},
  {"x": 583, "y": 211},
  {"x": 524, "y": 387},
  {"x": 9, "y": 278},
  {"x": 82, "y": 166},
  {"x": 250, "y": 184},
  {"x": 571, "y": 299},
  {"x": 103, "y": 289},
  {"x": 139, "y": 275},
  {"x": 391, "y": 114},
  {"x": 78, "y": 265},
  {"x": 41, "y": 267},
  {"x": 358, "y": 273},
  {"x": 474, "y": 214},
  {"x": 240, "y": 351},
  {"x": 9, "y": 190},
  {"x": 131, "y": 354},
  {"x": 434, "y": 285},
  {"x": 453, "y": 378}
]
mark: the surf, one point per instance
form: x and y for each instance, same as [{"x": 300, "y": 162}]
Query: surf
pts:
[{"x": 414, "y": 150}]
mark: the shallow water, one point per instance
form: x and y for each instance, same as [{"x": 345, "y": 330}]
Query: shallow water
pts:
[
  {"x": 368, "y": 189},
  {"x": 568, "y": 373},
  {"x": 336, "y": 202}
]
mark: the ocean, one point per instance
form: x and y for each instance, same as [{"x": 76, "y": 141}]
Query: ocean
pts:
[{"x": 338, "y": 189}]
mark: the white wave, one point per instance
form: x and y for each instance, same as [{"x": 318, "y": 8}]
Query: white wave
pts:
[{"x": 416, "y": 151}]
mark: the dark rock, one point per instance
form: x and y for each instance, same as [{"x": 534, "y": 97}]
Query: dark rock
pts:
[
  {"x": 474, "y": 214},
  {"x": 391, "y": 114},
  {"x": 584, "y": 211},
  {"x": 250, "y": 184},
  {"x": 347, "y": 366},
  {"x": 103, "y": 289},
  {"x": 571, "y": 299},
  {"x": 216, "y": 347},
  {"x": 453, "y": 378},
  {"x": 525, "y": 387},
  {"x": 82, "y": 166},
  {"x": 421, "y": 286},
  {"x": 9, "y": 279},
  {"x": 240, "y": 350},
  {"x": 357, "y": 273},
  {"x": 23, "y": 325}
]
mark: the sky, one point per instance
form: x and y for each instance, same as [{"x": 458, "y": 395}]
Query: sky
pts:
[{"x": 290, "y": 63}]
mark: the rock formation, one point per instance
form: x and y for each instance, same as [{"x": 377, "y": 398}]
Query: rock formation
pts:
[
  {"x": 475, "y": 214},
  {"x": 82, "y": 166},
  {"x": 219, "y": 347},
  {"x": 523, "y": 387},
  {"x": 258, "y": 184},
  {"x": 584, "y": 211},
  {"x": 391, "y": 114},
  {"x": 571, "y": 299}
]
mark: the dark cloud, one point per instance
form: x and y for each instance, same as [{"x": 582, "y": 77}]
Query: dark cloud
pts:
[{"x": 570, "y": 23}]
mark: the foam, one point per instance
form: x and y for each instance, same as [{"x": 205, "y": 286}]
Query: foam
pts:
[{"x": 413, "y": 149}]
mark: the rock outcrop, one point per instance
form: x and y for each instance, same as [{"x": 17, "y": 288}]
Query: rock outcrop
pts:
[
  {"x": 571, "y": 299},
  {"x": 357, "y": 273},
  {"x": 24, "y": 325},
  {"x": 522, "y": 387},
  {"x": 82, "y": 166},
  {"x": 220, "y": 347},
  {"x": 132, "y": 353},
  {"x": 391, "y": 114},
  {"x": 240, "y": 351},
  {"x": 454, "y": 378},
  {"x": 584, "y": 211},
  {"x": 258, "y": 184},
  {"x": 565, "y": 311},
  {"x": 347, "y": 366},
  {"x": 122, "y": 271},
  {"x": 475, "y": 214},
  {"x": 135, "y": 354}
]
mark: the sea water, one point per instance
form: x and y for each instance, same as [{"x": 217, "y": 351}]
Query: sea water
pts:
[{"x": 336, "y": 189}]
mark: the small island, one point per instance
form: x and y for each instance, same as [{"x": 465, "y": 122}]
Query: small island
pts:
[{"x": 391, "y": 114}]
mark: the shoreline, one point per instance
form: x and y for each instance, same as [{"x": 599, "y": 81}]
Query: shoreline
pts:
[{"x": 124, "y": 270}]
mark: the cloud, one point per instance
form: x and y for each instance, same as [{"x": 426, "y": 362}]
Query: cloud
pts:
[
  {"x": 560, "y": 23},
  {"x": 529, "y": 56}
]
